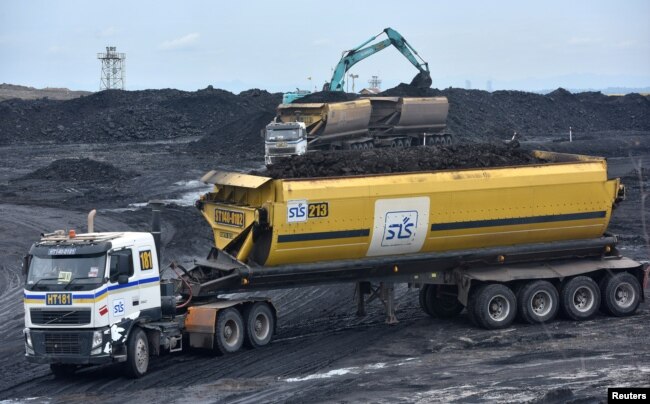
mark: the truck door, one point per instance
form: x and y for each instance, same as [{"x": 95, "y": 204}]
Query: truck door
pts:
[
  {"x": 149, "y": 280},
  {"x": 123, "y": 298}
]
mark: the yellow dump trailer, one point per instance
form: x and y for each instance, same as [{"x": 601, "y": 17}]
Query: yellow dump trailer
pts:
[{"x": 272, "y": 222}]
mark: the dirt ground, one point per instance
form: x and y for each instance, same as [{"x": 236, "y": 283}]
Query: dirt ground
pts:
[{"x": 322, "y": 352}]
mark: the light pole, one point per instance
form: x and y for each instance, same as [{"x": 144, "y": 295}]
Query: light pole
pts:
[{"x": 353, "y": 76}]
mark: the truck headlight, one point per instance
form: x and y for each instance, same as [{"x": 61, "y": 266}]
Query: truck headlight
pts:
[
  {"x": 29, "y": 347},
  {"x": 97, "y": 339},
  {"x": 28, "y": 338},
  {"x": 97, "y": 343}
]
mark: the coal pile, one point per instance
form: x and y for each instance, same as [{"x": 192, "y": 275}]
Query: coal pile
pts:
[
  {"x": 243, "y": 135},
  {"x": 79, "y": 170},
  {"x": 115, "y": 115},
  {"x": 477, "y": 114},
  {"x": 413, "y": 159}
]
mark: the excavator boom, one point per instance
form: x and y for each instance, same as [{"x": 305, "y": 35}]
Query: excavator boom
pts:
[{"x": 353, "y": 56}]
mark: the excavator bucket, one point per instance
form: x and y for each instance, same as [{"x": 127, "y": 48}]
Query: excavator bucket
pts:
[{"x": 422, "y": 80}]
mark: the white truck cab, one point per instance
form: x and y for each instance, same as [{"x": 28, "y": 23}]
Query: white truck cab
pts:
[
  {"x": 84, "y": 293},
  {"x": 284, "y": 139}
]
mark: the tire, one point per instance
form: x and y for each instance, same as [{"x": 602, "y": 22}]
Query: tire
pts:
[
  {"x": 260, "y": 324},
  {"x": 620, "y": 294},
  {"x": 62, "y": 370},
  {"x": 229, "y": 335},
  {"x": 442, "y": 301},
  {"x": 538, "y": 302},
  {"x": 423, "y": 300},
  {"x": 495, "y": 306},
  {"x": 580, "y": 298},
  {"x": 137, "y": 354}
]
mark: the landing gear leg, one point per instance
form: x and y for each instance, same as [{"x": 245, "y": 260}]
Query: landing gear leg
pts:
[
  {"x": 387, "y": 292},
  {"x": 360, "y": 298}
]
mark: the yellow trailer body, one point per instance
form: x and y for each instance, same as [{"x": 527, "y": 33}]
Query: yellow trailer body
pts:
[{"x": 287, "y": 221}]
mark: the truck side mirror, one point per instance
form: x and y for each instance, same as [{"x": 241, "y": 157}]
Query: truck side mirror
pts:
[{"x": 27, "y": 260}]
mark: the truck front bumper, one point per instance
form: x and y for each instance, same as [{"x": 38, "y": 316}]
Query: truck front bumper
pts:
[{"x": 70, "y": 347}]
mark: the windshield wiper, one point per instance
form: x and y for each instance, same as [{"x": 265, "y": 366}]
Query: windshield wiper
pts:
[
  {"x": 43, "y": 279},
  {"x": 76, "y": 279}
]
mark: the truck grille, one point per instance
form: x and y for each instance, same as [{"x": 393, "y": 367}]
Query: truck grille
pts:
[
  {"x": 62, "y": 343},
  {"x": 51, "y": 317},
  {"x": 282, "y": 150}
]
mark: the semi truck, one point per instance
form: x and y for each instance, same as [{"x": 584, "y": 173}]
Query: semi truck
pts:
[
  {"x": 501, "y": 243},
  {"x": 357, "y": 125}
]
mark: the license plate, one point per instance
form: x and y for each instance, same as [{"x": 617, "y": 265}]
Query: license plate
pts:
[
  {"x": 229, "y": 217},
  {"x": 58, "y": 299},
  {"x": 281, "y": 144}
]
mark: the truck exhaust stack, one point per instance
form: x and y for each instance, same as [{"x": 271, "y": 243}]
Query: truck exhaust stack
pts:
[{"x": 156, "y": 208}]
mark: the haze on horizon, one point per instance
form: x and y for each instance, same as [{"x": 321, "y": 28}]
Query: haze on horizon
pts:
[{"x": 278, "y": 45}]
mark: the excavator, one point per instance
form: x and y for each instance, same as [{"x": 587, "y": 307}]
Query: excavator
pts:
[
  {"x": 365, "y": 123},
  {"x": 354, "y": 56}
]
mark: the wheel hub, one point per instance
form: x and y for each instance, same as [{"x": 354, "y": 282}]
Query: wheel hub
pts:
[
  {"x": 624, "y": 295},
  {"x": 583, "y": 299}
]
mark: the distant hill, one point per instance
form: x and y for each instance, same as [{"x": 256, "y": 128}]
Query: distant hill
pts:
[{"x": 9, "y": 91}]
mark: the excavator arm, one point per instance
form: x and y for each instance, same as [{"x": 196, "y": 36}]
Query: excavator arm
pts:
[{"x": 353, "y": 56}]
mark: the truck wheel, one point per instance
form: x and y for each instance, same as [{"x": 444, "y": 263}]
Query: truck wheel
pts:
[
  {"x": 260, "y": 324},
  {"x": 580, "y": 297},
  {"x": 621, "y": 294},
  {"x": 423, "y": 300},
  {"x": 538, "y": 302},
  {"x": 62, "y": 370},
  {"x": 229, "y": 335},
  {"x": 442, "y": 301},
  {"x": 137, "y": 353},
  {"x": 495, "y": 306}
]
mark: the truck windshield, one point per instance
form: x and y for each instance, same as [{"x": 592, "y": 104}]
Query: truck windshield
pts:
[
  {"x": 66, "y": 272},
  {"x": 276, "y": 135}
]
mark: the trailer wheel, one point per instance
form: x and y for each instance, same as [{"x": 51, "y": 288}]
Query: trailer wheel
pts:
[
  {"x": 229, "y": 334},
  {"x": 495, "y": 306},
  {"x": 580, "y": 298},
  {"x": 442, "y": 301},
  {"x": 62, "y": 370},
  {"x": 423, "y": 300},
  {"x": 260, "y": 324},
  {"x": 538, "y": 302},
  {"x": 621, "y": 294},
  {"x": 137, "y": 353}
]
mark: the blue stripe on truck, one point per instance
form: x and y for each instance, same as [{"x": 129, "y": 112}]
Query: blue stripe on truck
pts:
[
  {"x": 326, "y": 235},
  {"x": 517, "y": 220}
]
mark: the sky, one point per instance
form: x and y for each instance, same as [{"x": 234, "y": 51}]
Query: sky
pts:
[{"x": 279, "y": 45}]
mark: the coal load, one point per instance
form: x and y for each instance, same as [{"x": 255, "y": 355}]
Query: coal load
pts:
[
  {"x": 326, "y": 96},
  {"x": 79, "y": 170},
  {"x": 384, "y": 161}
]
